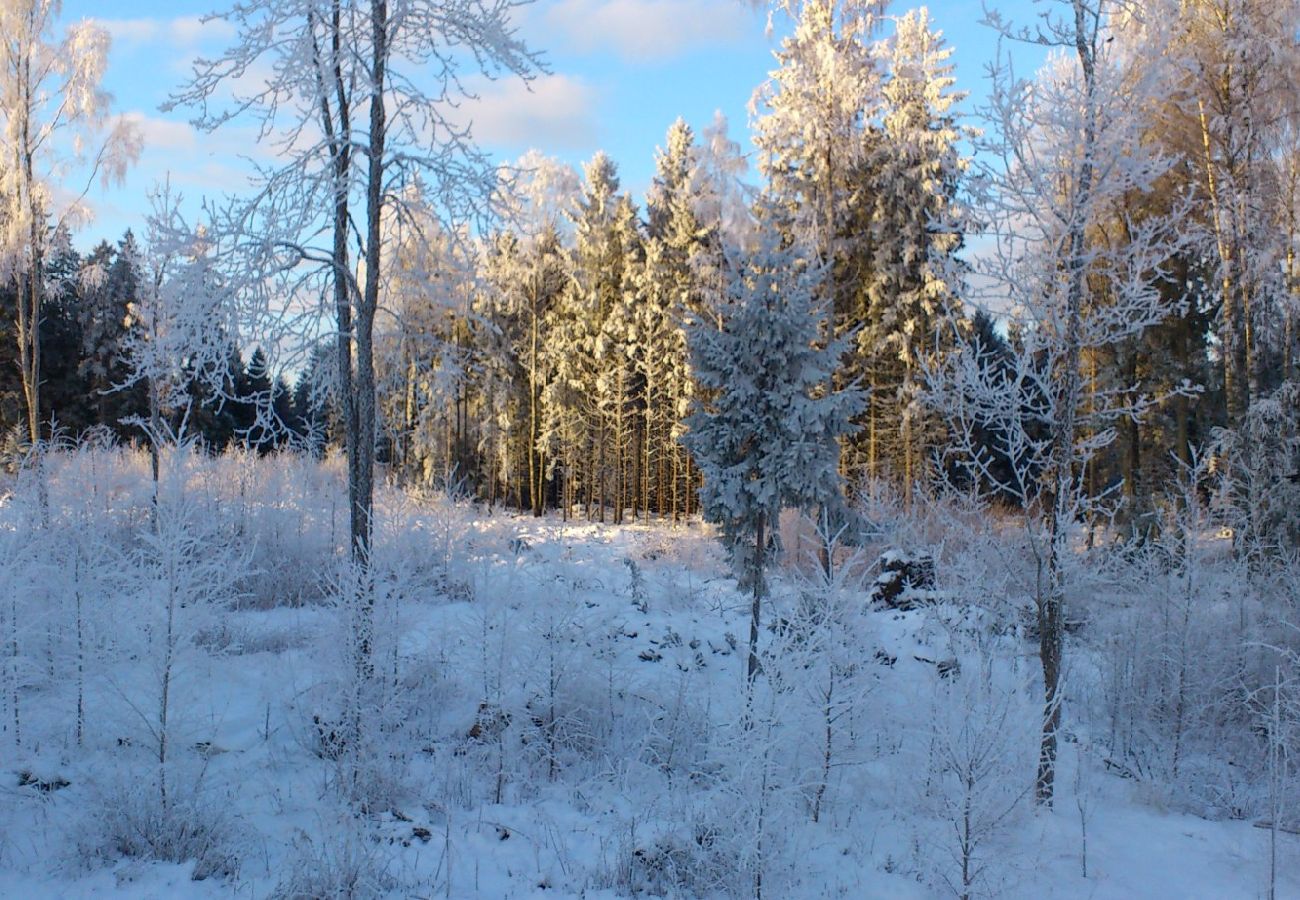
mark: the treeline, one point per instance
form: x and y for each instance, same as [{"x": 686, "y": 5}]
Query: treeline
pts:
[
  {"x": 562, "y": 373},
  {"x": 563, "y": 376},
  {"x": 545, "y": 365},
  {"x": 89, "y": 317},
  {"x": 562, "y": 380}
]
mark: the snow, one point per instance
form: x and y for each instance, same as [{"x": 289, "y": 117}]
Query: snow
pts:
[{"x": 491, "y": 610}]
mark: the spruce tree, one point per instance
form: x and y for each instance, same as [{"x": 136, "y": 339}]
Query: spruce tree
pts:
[
  {"x": 765, "y": 436},
  {"x": 620, "y": 393},
  {"x": 910, "y": 298},
  {"x": 814, "y": 139},
  {"x": 682, "y": 249},
  {"x": 576, "y": 423}
]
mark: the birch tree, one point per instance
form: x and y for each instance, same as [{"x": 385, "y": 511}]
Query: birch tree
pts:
[
  {"x": 423, "y": 348},
  {"x": 359, "y": 99},
  {"x": 537, "y": 196},
  {"x": 55, "y": 122},
  {"x": 1065, "y": 153},
  {"x": 723, "y": 195},
  {"x": 178, "y": 328},
  {"x": 1240, "y": 62}
]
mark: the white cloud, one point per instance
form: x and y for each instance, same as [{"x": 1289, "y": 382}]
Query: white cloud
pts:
[
  {"x": 193, "y": 30},
  {"x": 177, "y": 136},
  {"x": 163, "y": 134},
  {"x": 647, "y": 30},
  {"x": 180, "y": 32},
  {"x": 130, "y": 31},
  {"x": 558, "y": 112}
]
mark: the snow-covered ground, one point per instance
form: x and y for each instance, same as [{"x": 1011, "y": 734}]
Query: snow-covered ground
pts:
[{"x": 565, "y": 716}]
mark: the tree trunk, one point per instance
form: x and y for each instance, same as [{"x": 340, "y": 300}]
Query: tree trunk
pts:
[
  {"x": 31, "y": 277},
  {"x": 338, "y": 136},
  {"x": 1052, "y": 595},
  {"x": 1232, "y": 333},
  {"x": 760, "y": 589},
  {"x": 361, "y": 493},
  {"x": 29, "y": 348},
  {"x": 534, "y": 416}
]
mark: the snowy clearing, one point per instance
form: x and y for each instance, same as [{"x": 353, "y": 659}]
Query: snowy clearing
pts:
[{"x": 563, "y": 716}]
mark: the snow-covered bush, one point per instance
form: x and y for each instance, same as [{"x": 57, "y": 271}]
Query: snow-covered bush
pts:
[
  {"x": 196, "y": 826},
  {"x": 1184, "y": 656},
  {"x": 341, "y": 862},
  {"x": 1258, "y": 495},
  {"x": 693, "y": 859},
  {"x": 157, "y": 801},
  {"x": 978, "y": 750},
  {"x": 356, "y": 714}
]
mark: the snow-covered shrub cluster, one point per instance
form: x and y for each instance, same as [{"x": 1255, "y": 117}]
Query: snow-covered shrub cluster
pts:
[{"x": 563, "y": 708}]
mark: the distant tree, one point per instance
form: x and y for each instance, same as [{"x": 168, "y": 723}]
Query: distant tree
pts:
[
  {"x": 48, "y": 87},
  {"x": 1003, "y": 461},
  {"x": 911, "y": 280},
  {"x": 724, "y": 199},
  {"x": 1240, "y": 60},
  {"x": 66, "y": 403},
  {"x": 536, "y": 194},
  {"x": 813, "y": 139},
  {"x": 257, "y": 395},
  {"x": 577, "y": 416},
  {"x": 424, "y": 349},
  {"x": 110, "y": 283},
  {"x": 526, "y": 280},
  {"x": 178, "y": 342},
  {"x": 683, "y": 249},
  {"x": 315, "y": 413}
]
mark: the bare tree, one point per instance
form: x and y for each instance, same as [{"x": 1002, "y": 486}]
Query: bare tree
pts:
[
  {"x": 362, "y": 100},
  {"x": 49, "y": 89},
  {"x": 1076, "y": 264},
  {"x": 181, "y": 326}
]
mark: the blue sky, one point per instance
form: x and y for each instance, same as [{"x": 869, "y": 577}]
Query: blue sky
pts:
[{"x": 620, "y": 72}]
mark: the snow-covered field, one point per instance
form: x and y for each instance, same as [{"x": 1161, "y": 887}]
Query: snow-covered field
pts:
[{"x": 562, "y": 713}]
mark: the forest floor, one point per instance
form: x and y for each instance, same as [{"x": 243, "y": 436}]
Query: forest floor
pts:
[{"x": 563, "y": 690}]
